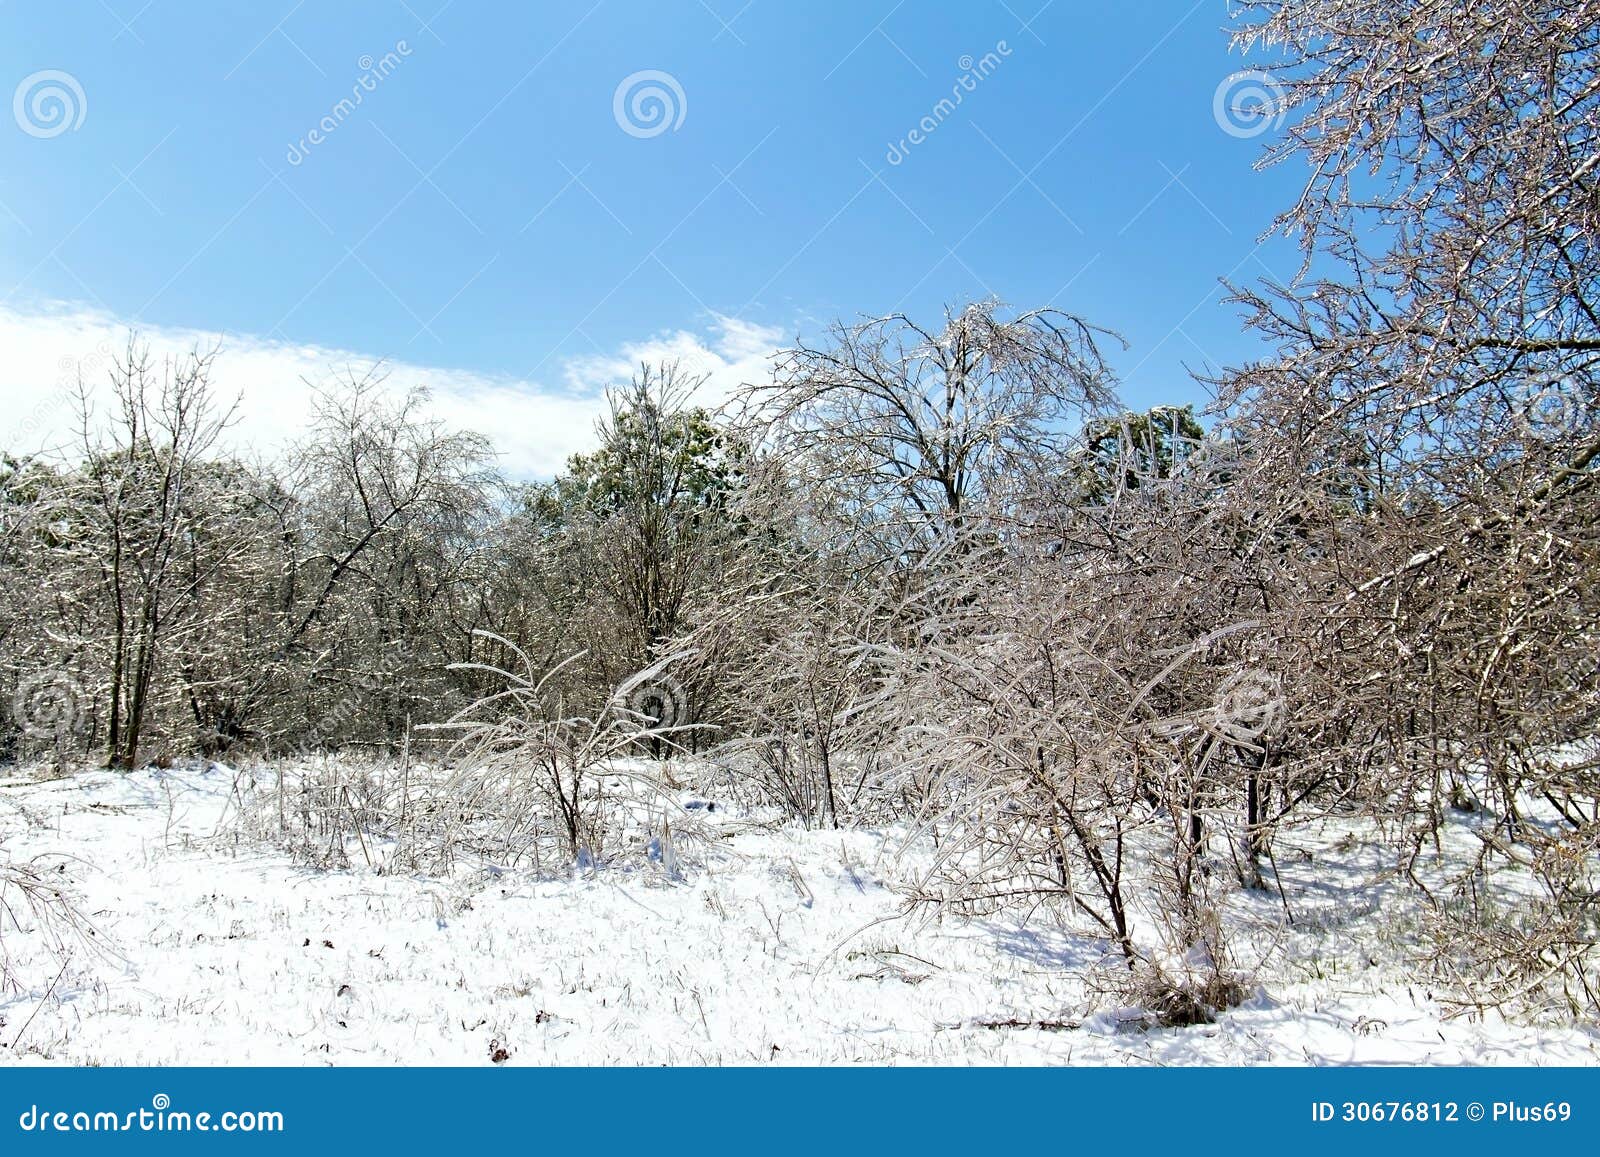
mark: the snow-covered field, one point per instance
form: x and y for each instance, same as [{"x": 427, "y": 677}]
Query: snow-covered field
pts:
[{"x": 785, "y": 947}]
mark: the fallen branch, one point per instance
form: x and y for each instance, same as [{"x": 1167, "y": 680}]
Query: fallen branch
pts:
[{"x": 1013, "y": 1023}]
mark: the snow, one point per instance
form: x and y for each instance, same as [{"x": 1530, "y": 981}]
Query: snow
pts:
[{"x": 781, "y": 946}]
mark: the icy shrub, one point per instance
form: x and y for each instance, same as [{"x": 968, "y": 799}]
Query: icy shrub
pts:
[{"x": 539, "y": 779}]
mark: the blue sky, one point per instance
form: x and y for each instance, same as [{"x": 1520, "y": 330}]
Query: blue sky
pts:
[{"x": 482, "y": 211}]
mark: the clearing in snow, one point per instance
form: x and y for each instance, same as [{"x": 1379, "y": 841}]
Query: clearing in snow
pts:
[{"x": 776, "y": 945}]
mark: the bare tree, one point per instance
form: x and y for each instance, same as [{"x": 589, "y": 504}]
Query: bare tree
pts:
[
  {"x": 141, "y": 503},
  {"x": 910, "y": 431},
  {"x": 379, "y": 537},
  {"x": 1434, "y": 409}
]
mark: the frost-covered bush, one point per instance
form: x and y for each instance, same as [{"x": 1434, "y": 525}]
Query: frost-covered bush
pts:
[
  {"x": 42, "y": 924},
  {"x": 536, "y": 779}
]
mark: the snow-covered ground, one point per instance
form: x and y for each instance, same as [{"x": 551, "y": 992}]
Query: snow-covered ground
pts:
[{"x": 783, "y": 948}]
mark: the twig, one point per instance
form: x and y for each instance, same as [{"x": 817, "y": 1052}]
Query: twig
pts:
[
  {"x": 1041, "y": 1025},
  {"x": 41, "y": 1004},
  {"x": 350, "y": 809}
]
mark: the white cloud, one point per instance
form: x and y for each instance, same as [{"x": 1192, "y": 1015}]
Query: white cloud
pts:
[
  {"x": 533, "y": 427},
  {"x": 733, "y": 353}
]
